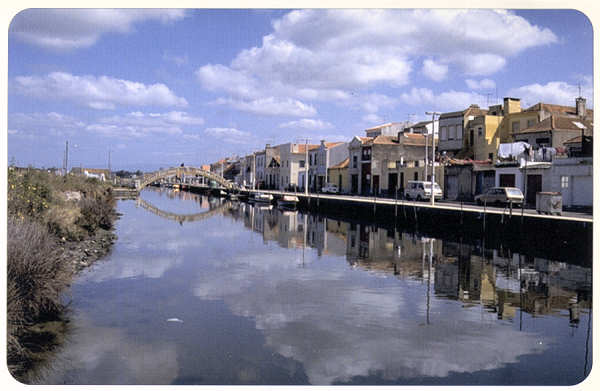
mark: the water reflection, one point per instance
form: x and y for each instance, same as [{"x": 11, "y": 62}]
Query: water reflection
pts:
[
  {"x": 268, "y": 296},
  {"x": 491, "y": 286},
  {"x": 497, "y": 278}
]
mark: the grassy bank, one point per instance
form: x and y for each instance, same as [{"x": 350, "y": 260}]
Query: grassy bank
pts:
[{"x": 56, "y": 225}]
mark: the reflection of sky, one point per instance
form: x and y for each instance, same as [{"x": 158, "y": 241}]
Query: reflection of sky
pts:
[
  {"x": 341, "y": 323},
  {"x": 254, "y": 312}
]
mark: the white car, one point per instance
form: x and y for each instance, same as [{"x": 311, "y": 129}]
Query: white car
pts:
[
  {"x": 330, "y": 188},
  {"x": 421, "y": 190}
]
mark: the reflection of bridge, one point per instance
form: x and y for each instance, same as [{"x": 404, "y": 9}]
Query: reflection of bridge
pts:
[
  {"x": 180, "y": 172},
  {"x": 179, "y": 217}
]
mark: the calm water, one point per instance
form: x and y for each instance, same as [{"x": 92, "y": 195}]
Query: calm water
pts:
[{"x": 237, "y": 294}]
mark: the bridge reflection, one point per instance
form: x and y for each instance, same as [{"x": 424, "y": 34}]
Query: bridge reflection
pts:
[{"x": 183, "y": 218}]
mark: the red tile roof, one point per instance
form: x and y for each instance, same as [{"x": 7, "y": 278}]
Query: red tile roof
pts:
[
  {"x": 343, "y": 164},
  {"x": 559, "y": 123}
]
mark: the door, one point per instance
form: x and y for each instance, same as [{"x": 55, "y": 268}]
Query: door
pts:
[
  {"x": 401, "y": 183},
  {"x": 340, "y": 183},
  {"x": 392, "y": 184},
  {"x": 507, "y": 180},
  {"x": 375, "y": 184},
  {"x": 583, "y": 190},
  {"x": 534, "y": 184},
  {"x": 354, "y": 183}
]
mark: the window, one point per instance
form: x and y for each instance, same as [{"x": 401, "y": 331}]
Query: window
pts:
[
  {"x": 416, "y": 163},
  {"x": 564, "y": 182},
  {"x": 310, "y": 160},
  {"x": 459, "y": 132},
  {"x": 452, "y": 133},
  {"x": 354, "y": 158},
  {"x": 543, "y": 141},
  {"x": 444, "y": 133},
  {"x": 479, "y": 132},
  {"x": 530, "y": 123},
  {"x": 416, "y": 176},
  {"x": 302, "y": 163},
  {"x": 516, "y": 126}
]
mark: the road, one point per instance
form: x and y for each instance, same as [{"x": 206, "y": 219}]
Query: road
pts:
[{"x": 442, "y": 204}]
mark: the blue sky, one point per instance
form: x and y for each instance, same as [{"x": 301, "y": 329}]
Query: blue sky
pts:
[{"x": 162, "y": 87}]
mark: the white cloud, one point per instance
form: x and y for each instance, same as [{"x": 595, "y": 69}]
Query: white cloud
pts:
[
  {"x": 306, "y": 123},
  {"x": 229, "y": 135},
  {"x": 177, "y": 60},
  {"x": 271, "y": 106},
  {"x": 67, "y": 29},
  {"x": 371, "y": 103},
  {"x": 101, "y": 92},
  {"x": 449, "y": 100},
  {"x": 434, "y": 71},
  {"x": 556, "y": 92},
  {"x": 318, "y": 54},
  {"x": 44, "y": 124},
  {"x": 484, "y": 84},
  {"x": 372, "y": 119},
  {"x": 138, "y": 124}
]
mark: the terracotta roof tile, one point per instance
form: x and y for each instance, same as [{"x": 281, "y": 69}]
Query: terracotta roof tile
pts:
[
  {"x": 343, "y": 164},
  {"x": 558, "y": 122}
]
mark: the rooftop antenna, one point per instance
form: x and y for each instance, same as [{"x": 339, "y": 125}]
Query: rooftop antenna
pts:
[{"x": 488, "y": 95}]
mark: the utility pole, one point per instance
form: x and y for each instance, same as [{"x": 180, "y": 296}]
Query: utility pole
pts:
[
  {"x": 433, "y": 114},
  {"x": 306, "y": 167},
  {"x": 109, "y": 170},
  {"x": 66, "y": 158},
  {"x": 254, "y": 171}
]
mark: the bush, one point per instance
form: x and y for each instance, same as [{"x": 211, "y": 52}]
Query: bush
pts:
[
  {"x": 35, "y": 278},
  {"x": 28, "y": 194},
  {"x": 96, "y": 212}
]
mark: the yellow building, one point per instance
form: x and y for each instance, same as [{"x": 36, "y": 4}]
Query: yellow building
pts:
[
  {"x": 484, "y": 135},
  {"x": 338, "y": 175}
]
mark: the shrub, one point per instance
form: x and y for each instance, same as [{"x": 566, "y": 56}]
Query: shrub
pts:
[
  {"x": 96, "y": 212},
  {"x": 35, "y": 278}
]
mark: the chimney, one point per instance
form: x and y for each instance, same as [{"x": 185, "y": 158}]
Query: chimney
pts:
[
  {"x": 512, "y": 105},
  {"x": 580, "y": 107}
]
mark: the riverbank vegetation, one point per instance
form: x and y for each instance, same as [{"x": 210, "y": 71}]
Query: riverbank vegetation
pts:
[{"x": 56, "y": 225}]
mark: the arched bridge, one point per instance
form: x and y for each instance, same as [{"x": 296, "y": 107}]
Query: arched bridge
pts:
[
  {"x": 179, "y": 217},
  {"x": 180, "y": 171}
]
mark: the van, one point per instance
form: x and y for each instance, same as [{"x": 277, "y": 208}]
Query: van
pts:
[{"x": 421, "y": 190}]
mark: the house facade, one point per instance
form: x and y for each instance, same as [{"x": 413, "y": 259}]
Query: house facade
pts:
[
  {"x": 328, "y": 155},
  {"x": 452, "y": 129},
  {"x": 338, "y": 175},
  {"x": 294, "y": 166}
]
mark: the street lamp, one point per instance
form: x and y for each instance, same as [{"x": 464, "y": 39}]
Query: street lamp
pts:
[{"x": 433, "y": 114}]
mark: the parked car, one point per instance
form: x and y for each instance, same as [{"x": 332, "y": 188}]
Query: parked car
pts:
[
  {"x": 421, "y": 190},
  {"x": 330, "y": 188},
  {"x": 500, "y": 195}
]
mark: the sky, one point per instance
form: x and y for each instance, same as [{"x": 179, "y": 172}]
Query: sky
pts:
[{"x": 159, "y": 87}]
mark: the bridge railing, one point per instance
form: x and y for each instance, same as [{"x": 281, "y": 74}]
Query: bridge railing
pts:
[{"x": 178, "y": 171}]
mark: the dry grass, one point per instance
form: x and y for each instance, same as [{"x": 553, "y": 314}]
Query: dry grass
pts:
[
  {"x": 39, "y": 218},
  {"x": 35, "y": 278}
]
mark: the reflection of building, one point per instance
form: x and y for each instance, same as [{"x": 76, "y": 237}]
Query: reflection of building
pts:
[{"x": 499, "y": 281}]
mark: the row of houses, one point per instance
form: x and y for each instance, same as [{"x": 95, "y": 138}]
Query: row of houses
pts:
[{"x": 545, "y": 147}]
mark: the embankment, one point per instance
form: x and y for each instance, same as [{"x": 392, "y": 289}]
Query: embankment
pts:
[{"x": 56, "y": 227}]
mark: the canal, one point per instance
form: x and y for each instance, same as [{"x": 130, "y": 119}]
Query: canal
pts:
[{"x": 202, "y": 290}]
